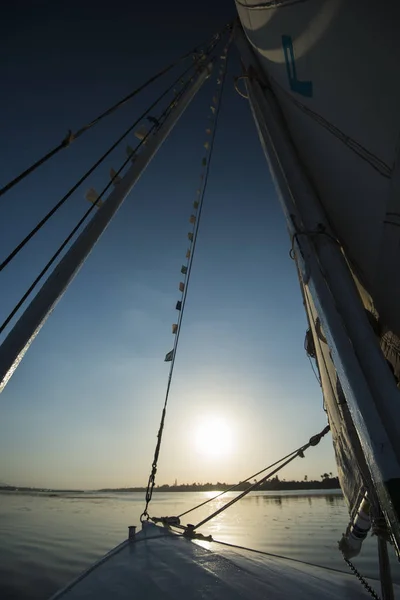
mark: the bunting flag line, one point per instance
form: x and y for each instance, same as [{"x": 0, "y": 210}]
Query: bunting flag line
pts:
[
  {"x": 91, "y": 196},
  {"x": 193, "y": 219},
  {"x": 169, "y": 356},
  {"x": 129, "y": 151},
  {"x": 141, "y": 132},
  {"x": 153, "y": 120},
  {"x": 114, "y": 177}
]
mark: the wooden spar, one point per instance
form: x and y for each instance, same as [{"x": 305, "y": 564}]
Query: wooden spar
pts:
[{"x": 30, "y": 323}]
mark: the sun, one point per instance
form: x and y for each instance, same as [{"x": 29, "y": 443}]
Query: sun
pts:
[{"x": 213, "y": 437}]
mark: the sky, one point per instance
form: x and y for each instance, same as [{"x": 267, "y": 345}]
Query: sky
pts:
[{"x": 83, "y": 408}]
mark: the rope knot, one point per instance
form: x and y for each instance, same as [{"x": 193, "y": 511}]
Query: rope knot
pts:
[
  {"x": 192, "y": 534},
  {"x": 69, "y": 138},
  {"x": 169, "y": 521}
]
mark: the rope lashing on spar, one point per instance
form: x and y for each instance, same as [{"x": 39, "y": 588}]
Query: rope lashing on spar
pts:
[
  {"x": 312, "y": 234},
  {"x": 190, "y": 530}
]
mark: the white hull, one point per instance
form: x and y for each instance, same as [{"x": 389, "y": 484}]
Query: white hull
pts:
[{"x": 159, "y": 564}]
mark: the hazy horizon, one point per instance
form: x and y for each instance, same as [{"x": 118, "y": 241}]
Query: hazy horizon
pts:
[{"x": 158, "y": 485}]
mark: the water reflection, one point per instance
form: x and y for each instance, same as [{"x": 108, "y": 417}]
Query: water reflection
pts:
[
  {"x": 333, "y": 500},
  {"x": 57, "y": 537}
]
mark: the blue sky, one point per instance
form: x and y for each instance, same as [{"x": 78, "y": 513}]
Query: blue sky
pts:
[{"x": 83, "y": 408}]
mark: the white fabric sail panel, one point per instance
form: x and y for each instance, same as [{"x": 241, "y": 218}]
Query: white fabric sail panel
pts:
[
  {"x": 342, "y": 178},
  {"x": 333, "y": 67},
  {"x": 349, "y": 52}
]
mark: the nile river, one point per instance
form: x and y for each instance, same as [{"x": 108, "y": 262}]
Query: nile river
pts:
[{"x": 46, "y": 541}]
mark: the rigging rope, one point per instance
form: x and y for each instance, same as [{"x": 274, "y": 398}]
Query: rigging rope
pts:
[
  {"x": 92, "y": 207},
  {"x": 70, "y": 137},
  {"x": 240, "y": 483},
  {"x": 297, "y": 560},
  {"x": 300, "y": 452},
  {"x": 42, "y": 222},
  {"x": 190, "y": 529},
  {"x": 151, "y": 481}
]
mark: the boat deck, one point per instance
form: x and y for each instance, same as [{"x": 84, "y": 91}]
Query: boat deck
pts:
[{"x": 159, "y": 564}]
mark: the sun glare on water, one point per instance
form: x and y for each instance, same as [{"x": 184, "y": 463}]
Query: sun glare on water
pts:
[{"x": 213, "y": 437}]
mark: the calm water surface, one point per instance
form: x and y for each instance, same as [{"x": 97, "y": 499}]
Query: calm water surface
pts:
[{"x": 46, "y": 541}]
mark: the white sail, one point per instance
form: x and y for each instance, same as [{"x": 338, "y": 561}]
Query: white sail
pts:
[
  {"x": 329, "y": 95},
  {"x": 332, "y": 66}
]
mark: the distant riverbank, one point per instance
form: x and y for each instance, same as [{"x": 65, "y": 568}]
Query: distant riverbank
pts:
[{"x": 275, "y": 484}]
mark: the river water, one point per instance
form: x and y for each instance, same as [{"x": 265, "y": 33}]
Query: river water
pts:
[{"x": 46, "y": 540}]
